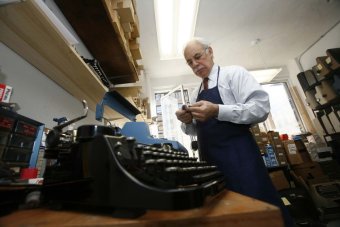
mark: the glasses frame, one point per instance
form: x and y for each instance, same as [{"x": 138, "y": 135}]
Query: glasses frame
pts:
[{"x": 197, "y": 56}]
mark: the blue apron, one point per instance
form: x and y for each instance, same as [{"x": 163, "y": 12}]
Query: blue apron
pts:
[{"x": 232, "y": 148}]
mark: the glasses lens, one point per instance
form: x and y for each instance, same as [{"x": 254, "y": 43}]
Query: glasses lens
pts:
[{"x": 196, "y": 57}]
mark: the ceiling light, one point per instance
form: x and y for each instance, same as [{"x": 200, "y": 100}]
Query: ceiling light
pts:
[
  {"x": 265, "y": 75},
  {"x": 175, "y": 23},
  {"x": 59, "y": 25},
  {"x": 5, "y": 2}
]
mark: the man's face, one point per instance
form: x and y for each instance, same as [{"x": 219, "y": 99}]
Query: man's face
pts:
[{"x": 199, "y": 58}]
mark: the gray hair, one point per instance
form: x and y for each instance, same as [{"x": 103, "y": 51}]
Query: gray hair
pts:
[{"x": 205, "y": 43}]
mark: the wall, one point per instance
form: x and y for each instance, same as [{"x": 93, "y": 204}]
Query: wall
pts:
[{"x": 37, "y": 96}]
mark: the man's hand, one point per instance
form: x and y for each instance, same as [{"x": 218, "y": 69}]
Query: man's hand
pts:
[
  {"x": 203, "y": 110},
  {"x": 184, "y": 115}
]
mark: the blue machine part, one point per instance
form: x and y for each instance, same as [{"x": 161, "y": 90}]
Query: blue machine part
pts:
[
  {"x": 118, "y": 103},
  {"x": 140, "y": 131}
]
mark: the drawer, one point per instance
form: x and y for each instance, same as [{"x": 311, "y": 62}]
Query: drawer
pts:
[
  {"x": 17, "y": 155},
  {"x": 2, "y": 150},
  {"x": 4, "y": 137},
  {"x": 6, "y": 123},
  {"x": 21, "y": 141},
  {"x": 26, "y": 129}
]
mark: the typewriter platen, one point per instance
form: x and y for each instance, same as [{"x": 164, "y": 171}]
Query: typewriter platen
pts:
[{"x": 103, "y": 168}]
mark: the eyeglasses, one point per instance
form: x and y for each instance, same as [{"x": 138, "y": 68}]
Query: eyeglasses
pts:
[{"x": 196, "y": 57}]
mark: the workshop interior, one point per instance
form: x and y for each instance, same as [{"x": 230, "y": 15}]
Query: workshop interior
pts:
[{"x": 88, "y": 95}]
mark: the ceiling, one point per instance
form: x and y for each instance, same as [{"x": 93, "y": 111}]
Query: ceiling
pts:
[{"x": 285, "y": 28}]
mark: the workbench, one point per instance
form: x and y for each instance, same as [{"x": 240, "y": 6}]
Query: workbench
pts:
[{"x": 228, "y": 209}]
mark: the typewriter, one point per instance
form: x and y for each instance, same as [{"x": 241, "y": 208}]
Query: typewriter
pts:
[{"x": 103, "y": 168}]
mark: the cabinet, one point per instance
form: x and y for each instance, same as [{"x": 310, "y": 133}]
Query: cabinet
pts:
[
  {"x": 28, "y": 31},
  {"x": 321, "y": 85},
  {"x": 20, "y": 139}
]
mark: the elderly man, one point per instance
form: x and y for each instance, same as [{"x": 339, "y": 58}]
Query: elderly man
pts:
[{"x": 222, "y": 109}]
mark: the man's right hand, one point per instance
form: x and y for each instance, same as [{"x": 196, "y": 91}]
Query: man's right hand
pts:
[{"x": 184, "y": 116}]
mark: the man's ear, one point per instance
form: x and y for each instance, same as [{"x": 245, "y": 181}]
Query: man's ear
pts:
[{"x": 210, "y": 50}]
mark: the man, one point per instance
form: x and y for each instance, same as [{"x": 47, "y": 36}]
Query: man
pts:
[{"x": 220, "y": 115}]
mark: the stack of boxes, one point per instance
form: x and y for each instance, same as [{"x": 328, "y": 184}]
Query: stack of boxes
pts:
[
  {"x": 277, "y": 153},
  {"x": 321, "y": 179},
  {"x": 271, "y": 147},
  {"x": 273, "y": 154},
  {"x": 127, "y": 25},
  {"x": 277, "y": 143}
]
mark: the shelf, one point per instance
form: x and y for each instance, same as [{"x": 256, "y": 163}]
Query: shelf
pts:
[
  {"x": 98, "y": 26},
  {"x": 333, "y": 102},
  {"x": 329, "y": 77},
  {"x": 28, "y": 31}
]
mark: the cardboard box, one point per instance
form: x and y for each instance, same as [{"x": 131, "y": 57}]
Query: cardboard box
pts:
[
  {"x": 292, "y": 152},
  {"x": 309, "y": 171},
  {"x": 5, "y": 93},
  {"x": 281, "y": 156},
  {"x": 255, "y": 129},
  {"x": 275, "y": 139},
  {"x": 261, "y": 137},
  {"x": 279, "y": 180},
  {"x": 331, "y": 168}
]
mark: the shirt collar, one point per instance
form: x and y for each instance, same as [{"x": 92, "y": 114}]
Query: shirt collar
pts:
[{"x": 213, "y": 73}]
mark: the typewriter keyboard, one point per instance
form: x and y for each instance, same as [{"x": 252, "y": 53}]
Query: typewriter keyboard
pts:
[{"x": 162, "y": 166}]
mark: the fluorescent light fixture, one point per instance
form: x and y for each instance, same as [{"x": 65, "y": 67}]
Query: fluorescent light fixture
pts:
[
  {"x": 175, "y": 23},
  {"x": 60, "y": 26},
  {"x": 265, "y": 75},
  {"x": 6, "y": 2}
]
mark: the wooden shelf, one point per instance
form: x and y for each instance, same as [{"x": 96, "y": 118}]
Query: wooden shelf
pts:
[
  {"x": 98, "y": 25},
  {"x": 29, "y": 32}
]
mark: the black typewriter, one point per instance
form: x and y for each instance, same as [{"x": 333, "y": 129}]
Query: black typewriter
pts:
[{"x": 103, "y": 168}]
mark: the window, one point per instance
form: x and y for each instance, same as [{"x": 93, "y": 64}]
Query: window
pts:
[
  {"x": 284, "y": 117},
  {"x": 166, "y": 105}
]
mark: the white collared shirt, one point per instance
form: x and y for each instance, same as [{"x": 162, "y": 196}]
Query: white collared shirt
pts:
[{"x": 245, "y": 102}]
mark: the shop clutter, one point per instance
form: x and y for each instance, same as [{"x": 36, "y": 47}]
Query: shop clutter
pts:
[{"x": 304, "y": 171}]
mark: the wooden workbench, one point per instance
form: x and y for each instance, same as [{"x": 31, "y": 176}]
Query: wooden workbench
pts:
[{"x": 229, "y": 209}]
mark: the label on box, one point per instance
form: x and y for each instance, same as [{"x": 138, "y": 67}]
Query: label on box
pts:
[
  {"x": 291, "y": 148},
  {"x": 5, "y": 93}
]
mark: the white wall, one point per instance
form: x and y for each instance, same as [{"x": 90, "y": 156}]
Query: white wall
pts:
[{"x": 38, "y": 97}]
